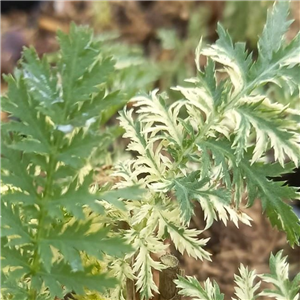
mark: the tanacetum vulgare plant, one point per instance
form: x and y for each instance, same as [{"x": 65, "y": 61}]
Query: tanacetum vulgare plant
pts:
[
  {"x": 211, "y": 146},
  {"x": 60, "y": 235},
  {"x": 53, "y": 233}
]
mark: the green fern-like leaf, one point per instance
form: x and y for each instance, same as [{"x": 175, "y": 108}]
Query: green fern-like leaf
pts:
[
  {"x": 191, "y": 287},
  {"x": 284, "y": 287},
  {"x": 47, "y": 202}
]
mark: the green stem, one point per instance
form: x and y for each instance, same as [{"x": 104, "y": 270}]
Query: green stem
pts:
[
  {"x": 35, "y": 265},
  {"x": 32, "y": 294}
]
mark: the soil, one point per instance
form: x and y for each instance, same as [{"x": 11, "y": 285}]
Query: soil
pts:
[{"x": 138, "y": 22}]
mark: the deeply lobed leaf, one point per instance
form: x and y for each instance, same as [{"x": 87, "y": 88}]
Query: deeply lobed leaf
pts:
[{"x": 47, "y": 223}]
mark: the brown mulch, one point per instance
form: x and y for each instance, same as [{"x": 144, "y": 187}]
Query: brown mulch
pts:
[{"x": 138, "y": 22}]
